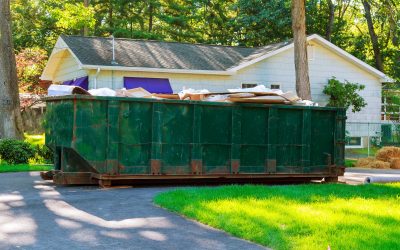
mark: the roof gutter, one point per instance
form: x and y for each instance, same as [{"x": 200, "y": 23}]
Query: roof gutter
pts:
[{"x": 158, "y": 70}]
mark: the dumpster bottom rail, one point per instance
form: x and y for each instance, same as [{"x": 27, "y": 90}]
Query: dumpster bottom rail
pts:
[{"x": 105, "y": 180}]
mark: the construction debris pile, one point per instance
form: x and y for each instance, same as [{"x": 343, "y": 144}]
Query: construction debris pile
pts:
[
  {"x": 258, "y": 94},
  {"x": 386, "y": 157}
]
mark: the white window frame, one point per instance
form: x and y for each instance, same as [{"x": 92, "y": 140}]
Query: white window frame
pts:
[{"x": 361, "y": 145}]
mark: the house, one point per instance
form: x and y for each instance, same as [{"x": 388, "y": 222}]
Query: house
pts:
[{"x": 165, "y": 67}]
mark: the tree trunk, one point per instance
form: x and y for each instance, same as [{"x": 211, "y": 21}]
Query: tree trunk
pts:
[
  {"x": 110, "y": 16},
  {"x": 372, "y": 34},
  {"x": 300, "y": 49},
  {"x": 150, "y": 16},
  {"x": 329, "y": 28},
  {"x": 10, "y": 115},
  {"x": 85, "y": 28}
]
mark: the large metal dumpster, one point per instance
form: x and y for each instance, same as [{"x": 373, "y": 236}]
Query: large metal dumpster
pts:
[{"x": 107, "y": 139}]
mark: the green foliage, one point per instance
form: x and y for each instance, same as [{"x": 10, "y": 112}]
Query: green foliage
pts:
[
  {"x": 74, "y": 16},
  {"x": 232, "y": 22},
  {"x": 30, "y": 65},
  {"x": 16, "y": 151},
  {"x": 260, "y": 22},
  {"x": 297, "y": 216},
  {"x": 344, "y": 94},
  {"x": 43, "y": 154}
]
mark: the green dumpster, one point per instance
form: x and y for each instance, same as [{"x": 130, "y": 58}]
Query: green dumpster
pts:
[{"x": 101, "y": 140}]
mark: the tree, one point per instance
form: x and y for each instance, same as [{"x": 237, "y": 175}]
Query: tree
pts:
[
  {"x": 30, "y": 65},
  {"x": 86, "y": 28},
  {"x": 374, "y": 37},
  {"x": 260, "y": 22},
  {"x": 331, "y": 19},
  {"x": 10, "y": 117},
  {"x": 300, "y": 49}
]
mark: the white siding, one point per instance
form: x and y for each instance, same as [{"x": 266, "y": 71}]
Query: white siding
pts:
[
  {"x": 278, "y": 69},
  {"x": 68, "y": 68}
]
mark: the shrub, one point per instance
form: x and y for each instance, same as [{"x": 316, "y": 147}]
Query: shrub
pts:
[
  {"x": 15, "y": 151},
  {"x": 344, "y": 94},
  {"x": 44, "y": 154}
]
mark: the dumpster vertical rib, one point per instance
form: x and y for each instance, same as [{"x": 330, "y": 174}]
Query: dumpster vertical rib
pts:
[
  {"x": 306, "y": 140},
  {"x": 196, "y": 151},
  {"x": 272, "y": 140},
  {"x": 113, "y": 137},
  {"x": 156, "y": 140},
  {"x": 340, "y": 131},
  {"x": 236, "y": 139}
]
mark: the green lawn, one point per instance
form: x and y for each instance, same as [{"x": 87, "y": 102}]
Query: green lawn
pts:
[
  {"x": 362, "y": 151},
  {"x": 348, "y": 163},
  {"x": 311, "y": 216},
  {"x": 35, "y": 139},
  {"x": 24, "y": 168}
]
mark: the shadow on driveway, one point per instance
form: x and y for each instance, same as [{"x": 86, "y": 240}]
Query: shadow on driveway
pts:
[{"x": 35, "y": 214}]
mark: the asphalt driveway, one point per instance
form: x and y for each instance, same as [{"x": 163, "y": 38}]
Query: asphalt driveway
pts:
[{"x": 35, "y": 214}]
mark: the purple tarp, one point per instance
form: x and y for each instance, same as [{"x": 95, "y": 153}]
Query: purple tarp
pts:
[
  {"x": 82, "y": 82},
  {"x": 153, "y": 85}
]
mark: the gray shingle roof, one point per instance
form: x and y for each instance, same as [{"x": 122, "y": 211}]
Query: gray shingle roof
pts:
[{"x": 164, "y": 55}]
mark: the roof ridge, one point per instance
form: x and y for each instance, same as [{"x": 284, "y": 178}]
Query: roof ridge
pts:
[{"x": 173, "y": 42}]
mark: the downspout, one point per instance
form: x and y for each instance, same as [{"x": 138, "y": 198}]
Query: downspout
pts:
[{"x": 95, "y": 78}]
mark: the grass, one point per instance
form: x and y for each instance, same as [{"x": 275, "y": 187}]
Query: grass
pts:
[
  {"x": 297, "y": 217},
  {"x": 35, "y": 139},
  {"x": 362, "y": 151},
  {"x": 349, "y": 163},
  {"x": 24, "y": 168}
]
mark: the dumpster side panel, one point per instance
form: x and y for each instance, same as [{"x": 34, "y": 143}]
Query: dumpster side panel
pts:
[
  {"x": 58, "y": 127},
  {"x": 254, "y": 139},
  {"x": 135, "y": 137},
  {"x": 90, "y": 132},
  {"x": 289, "y": 146},
  {"x": 216, "y": 135},
  {"x": 322, "y": 139},
  {"x": 176, "y": 136},
  {"x": 59, "y": 123}
]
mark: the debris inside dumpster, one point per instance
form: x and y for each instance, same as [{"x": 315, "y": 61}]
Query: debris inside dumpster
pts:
[
  {"x": 193, "y": 94},
  {"x": 59, "y": 90},
  {"x": 136, "y": 92},
  {"x": 258, "y": 94},
  {"x": 102, "y": 92}
]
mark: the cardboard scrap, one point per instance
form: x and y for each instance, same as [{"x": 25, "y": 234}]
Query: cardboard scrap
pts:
[
  {"x": 136, "y": 92},
  {"x": 261, "y": 99}
]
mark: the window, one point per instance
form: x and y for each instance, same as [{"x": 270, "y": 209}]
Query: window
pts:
[
  {"x": 249, "y": 85},
  {"x": 353, "y": 141},
  {"x": 275, "y": 86},
  {"x": 389, "y": 109},
  {"x": 153, "y": 85}
]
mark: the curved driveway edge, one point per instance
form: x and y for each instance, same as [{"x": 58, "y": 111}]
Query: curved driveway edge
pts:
[{"x": 35, "y": 214}]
